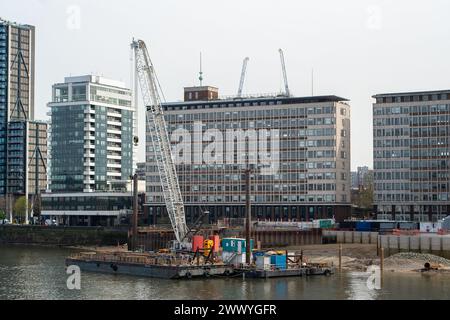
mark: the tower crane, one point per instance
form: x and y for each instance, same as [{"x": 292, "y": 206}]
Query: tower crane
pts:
[
  {"x": 283, "y": 66},
  {"x": 161, "y": 143},
  {"x": 244, "y": 71}
]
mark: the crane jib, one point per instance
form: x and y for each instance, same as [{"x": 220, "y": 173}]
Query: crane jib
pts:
[{"x": 160, "y": 140}]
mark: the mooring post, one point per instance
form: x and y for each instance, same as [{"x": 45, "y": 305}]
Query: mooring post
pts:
[
  {"x": 135, "y": 213},
  {"x": 248, "y": 217},
  {"x": 381, "y": 260},
  {"x": 340, "y": 257}
]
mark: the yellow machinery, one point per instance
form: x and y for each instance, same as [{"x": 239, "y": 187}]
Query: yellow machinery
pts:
[{"x": 208, "y": 245}]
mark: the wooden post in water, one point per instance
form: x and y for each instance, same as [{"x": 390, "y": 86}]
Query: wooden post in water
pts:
[
  {"x": 340, "y": 257},
  {"x": 248, "y": 217},
  {"x": 382, "y": 260},
  {"x": 135, "y": 213}
]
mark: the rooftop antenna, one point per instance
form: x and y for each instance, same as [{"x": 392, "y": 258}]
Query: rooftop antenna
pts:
[
  {"x": 312, "y": 83},
  {"x": 201, "y": 71}
]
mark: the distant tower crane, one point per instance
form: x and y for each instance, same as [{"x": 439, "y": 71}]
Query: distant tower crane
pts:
[
  {"x": 244, "y": 71},
  {"x": 160, "y": 139},
  {"x": 283, "y": 66}
]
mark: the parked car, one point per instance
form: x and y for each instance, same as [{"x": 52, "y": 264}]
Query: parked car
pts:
[
  {"x": 4, "y": 222},
  {"x": 51, "y": 223}
]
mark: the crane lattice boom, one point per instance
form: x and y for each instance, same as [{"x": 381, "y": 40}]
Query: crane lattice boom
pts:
[
  {"x": 283, "y": 66},
  {"x": 244, "y": 71},
  {"x": 160, "y": 139}
]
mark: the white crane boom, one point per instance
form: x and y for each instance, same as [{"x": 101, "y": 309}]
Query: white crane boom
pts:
[
  {"x": 283, "y": 66},
  {"x": 160, "y": 139},
  {"x": 244, "y": 71}
]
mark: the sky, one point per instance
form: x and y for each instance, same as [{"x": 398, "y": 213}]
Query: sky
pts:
[{"x": 357, "y": 48}]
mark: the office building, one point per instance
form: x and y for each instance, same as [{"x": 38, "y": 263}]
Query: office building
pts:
[
  {"x": 309, "y": 174},
  {"x": 92, "y": 129},
  {"x": 412, "y": 155},
  {"x": 105, "y": 209}
]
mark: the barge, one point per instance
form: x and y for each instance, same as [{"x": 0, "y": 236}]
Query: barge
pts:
[
  {"x": 148, "y": 265},
  {"x": 294, "y": 272}
]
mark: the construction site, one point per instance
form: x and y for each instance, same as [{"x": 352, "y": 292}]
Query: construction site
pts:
[
  {"x": 225, "y": 250},
  {"x": 253, "y": 240}
]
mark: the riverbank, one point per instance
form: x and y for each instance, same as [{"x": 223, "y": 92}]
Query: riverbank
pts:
[
  {"x": 62, "y": 236},
  {"x": 358, "y": 257}
]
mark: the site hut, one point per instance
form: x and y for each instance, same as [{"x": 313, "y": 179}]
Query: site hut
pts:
[
  {"x": 299, "y": 147},
  {"x": 412, "y": 155}
]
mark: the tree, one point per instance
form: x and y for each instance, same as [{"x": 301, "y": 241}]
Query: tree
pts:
[
  {"x": 366, "y": 198},
  {"x": 37, "y": 208},
  {"x": 20, "y": 208}
]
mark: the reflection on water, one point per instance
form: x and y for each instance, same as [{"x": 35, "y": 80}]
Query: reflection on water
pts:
[{"x": 39, "y": 273}]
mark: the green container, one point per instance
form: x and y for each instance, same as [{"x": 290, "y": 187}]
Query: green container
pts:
[
  {"x": 233, "y": 245},
  {"x": 326, "y": 224}
]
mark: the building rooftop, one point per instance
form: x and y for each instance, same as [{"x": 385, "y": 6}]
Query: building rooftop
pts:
[
  {"x": 191, "y": 89},
  {"x": 417, "y": 93},
  {"x": 15, "y": 24},
  {"x": 96, "y": 79},
  {"x": 255, "y": 101}
]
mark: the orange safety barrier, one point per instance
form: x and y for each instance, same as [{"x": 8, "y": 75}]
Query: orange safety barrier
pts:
[{"x": 398, "y": 232}]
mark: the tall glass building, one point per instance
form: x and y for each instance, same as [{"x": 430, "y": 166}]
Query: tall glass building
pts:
[
  {"x": 23, "y": 141},
  {"x": 312, "y": 157},
  {"x": 412, "y": 155},
  {"x": 92, "y": 130}
]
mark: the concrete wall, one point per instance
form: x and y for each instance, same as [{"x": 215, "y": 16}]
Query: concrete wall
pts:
[
  {"x": 434, "y": 244},
  {"x": 155, "y": 240},
  {"x": 350, "y": 237},
  {"x": 62, "y": 236}
]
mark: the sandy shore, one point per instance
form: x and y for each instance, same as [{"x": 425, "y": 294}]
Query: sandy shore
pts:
[{"x": 358, "y": 257}]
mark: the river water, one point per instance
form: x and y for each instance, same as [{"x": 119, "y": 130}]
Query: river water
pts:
[{"x": 39, "y": 273}]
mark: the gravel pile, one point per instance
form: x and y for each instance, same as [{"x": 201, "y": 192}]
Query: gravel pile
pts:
[{"x": 420, "y": 257}]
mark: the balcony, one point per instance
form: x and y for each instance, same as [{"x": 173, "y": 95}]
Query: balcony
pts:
[
  {"x": 89, "y": 137},
  {"x": 114, "y": 148},
  {"x": 114, "y": 165}
]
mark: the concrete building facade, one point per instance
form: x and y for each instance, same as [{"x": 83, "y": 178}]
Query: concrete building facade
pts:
[
  {"x": 312, "y": 179},
  {"x": 412, "y": 155}
]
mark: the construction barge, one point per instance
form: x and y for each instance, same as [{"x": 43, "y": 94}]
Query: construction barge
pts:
[
  {"x": 292, "y": 272},
  {"x": 163, "y": 266},
  {"x": 188, "y": 266}
]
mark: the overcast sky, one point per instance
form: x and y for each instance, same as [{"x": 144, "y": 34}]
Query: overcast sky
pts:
[{"x": 357, "y": 47}]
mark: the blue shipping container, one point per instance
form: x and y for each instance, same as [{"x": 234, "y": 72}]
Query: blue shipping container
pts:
[
  {"x": 363, "y": 226},
  {"x": 279, "y": 262}
]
